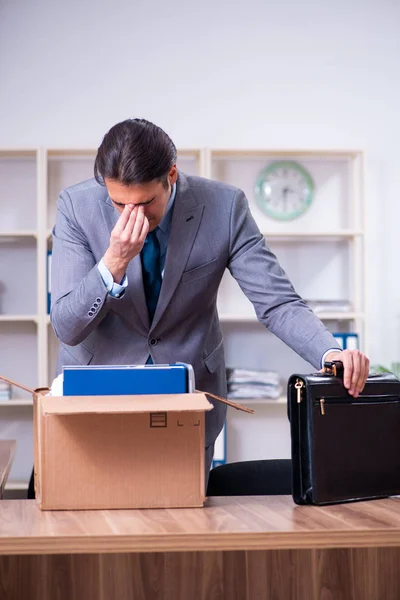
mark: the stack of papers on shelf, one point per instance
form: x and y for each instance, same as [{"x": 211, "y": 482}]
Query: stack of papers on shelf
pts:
[
  {"x": 321, "y": 306},
  {"x": 245, "y": 384},
  {"x": 5, "y": 391}
]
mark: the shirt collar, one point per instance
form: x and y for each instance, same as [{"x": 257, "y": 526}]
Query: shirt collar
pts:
[{"x": 166, "y": 220}]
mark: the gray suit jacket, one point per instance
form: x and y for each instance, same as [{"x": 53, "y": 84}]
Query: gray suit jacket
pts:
[{"x": 211, "y": 230}]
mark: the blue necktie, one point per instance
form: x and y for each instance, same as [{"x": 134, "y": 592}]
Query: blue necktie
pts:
[{"x": 151, "y": 268}]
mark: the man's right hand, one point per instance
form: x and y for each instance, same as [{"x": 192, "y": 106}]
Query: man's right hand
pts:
[{"x": 126, "y": 241}]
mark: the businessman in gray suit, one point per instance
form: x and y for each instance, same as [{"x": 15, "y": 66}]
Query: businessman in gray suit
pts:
[{"x": 138, "y": 256}]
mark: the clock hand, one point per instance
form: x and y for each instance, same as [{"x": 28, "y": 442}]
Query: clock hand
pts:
[{"x": 285, "y": 192}]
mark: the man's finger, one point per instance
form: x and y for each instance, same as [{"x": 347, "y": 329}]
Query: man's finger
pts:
[
  {"x": 356, "y": 375},
  {"x": 144, "y": 231},
  {"x": 347, "y": 361},
  {"x": 123, "y": 219},
  {"x": 138, "y": 225},
  {"x": 364, "y": 372},
  {"x": 127, "y": 232}
]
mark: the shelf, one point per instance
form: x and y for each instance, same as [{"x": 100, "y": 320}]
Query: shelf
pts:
[
  {"x": 18, "y": 233},
  {"x": 17, "y": 485},
  {"x": 328, "y": 236},
  {"x": 339, "y": 316},
  {"x": 91, "y": 152},
  {"x": 282, "y": 401},
  {"x": 19, "y": 318},
  {"x": 62, "y": 153},
  {"x": 236, "y": 318},
  {"x": 328, "y": 316},
  {"x": 16, "y": 153},
  {"x": 262, "y": 153},
  {"x": 188, "y": 152},
  {"x": 12, "y": 403}
]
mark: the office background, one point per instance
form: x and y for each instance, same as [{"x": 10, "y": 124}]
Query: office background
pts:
[
  {"x": 222, "y": 74},
  {"x": 258, "y": 74}
]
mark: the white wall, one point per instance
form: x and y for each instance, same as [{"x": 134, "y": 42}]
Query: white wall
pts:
[{"x": 225, "y": 74}]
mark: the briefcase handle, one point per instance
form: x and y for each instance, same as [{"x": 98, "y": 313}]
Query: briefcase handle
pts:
[{"x": 334, "y": 367}]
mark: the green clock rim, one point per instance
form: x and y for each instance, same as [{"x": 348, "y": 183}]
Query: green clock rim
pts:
[{"x": 270, "y": 169}]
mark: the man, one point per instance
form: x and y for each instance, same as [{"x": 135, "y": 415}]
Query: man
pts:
[{"x": 138, "y": 256}]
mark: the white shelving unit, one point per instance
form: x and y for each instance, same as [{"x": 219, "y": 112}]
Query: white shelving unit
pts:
[
  {"x": 19, "y": 289},
  {"x": 30, "y": 181}
]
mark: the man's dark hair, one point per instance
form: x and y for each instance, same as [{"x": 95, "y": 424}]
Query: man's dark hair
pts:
[{"x": 135, "y": 151}]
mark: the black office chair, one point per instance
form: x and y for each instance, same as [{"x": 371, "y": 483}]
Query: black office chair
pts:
[
  {"x": 247, "y": 478},
  {"x": 31, "y": 487},
  {"x": 251, "y": 478}
]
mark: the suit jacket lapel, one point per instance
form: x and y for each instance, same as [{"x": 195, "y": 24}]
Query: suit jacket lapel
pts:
[
  {"x": 185, "y": 223},
  {"x": 135, "y": 289}
]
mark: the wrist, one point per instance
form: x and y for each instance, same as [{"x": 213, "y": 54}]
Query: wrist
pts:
[
  {"x": 330, "y": 355},
  {"x": 116, "y": 266}
]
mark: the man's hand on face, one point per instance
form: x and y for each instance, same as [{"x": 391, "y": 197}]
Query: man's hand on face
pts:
[
  {"x": 356, "y": 369},
  {"x": 126, "y": 241}
]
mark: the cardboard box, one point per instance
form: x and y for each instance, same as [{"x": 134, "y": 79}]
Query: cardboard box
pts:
[
  {"x": 104, "y": 452},
  {"x": 119, "y": 452}
]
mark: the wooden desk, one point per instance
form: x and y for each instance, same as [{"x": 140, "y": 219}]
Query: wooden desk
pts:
[
  {"x": 7, "y": 449},
  {"x": 235, "y": 548}
]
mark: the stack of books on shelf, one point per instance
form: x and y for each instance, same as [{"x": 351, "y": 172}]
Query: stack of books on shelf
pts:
[
  {"x": 255, "y": 385},
  {"x": 5, "y": 391}
]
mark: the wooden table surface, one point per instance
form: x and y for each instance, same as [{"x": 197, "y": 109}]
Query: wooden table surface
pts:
[
  {"x": 245, "y": 523},
  {"x": 7, "y": 449},
  {"x": 249, "y": 548}
]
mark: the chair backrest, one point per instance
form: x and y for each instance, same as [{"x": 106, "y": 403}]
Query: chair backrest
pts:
[{"x": 251, "y": 478}]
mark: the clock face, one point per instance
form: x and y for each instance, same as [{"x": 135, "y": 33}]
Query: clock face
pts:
[{"x": 284, "y": 190}]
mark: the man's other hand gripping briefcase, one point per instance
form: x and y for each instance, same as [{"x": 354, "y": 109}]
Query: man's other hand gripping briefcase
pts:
[{"x": 344, "y": 448}]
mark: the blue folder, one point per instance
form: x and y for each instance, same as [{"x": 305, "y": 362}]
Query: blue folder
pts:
[{"x": 112, "y": 380}]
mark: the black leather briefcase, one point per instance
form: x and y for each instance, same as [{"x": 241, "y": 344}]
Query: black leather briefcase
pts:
[{"x": 344, "y": 448}]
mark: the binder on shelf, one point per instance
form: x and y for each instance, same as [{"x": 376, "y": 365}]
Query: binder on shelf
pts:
[
  {"x": 339, "y": 339},
  {"x": 49, "y": 254},
  {"x": 220, "y": 449},
  {"x": 347, "y": 341},
  {"x": 114, "y": 380},
  {"x": 352, "y": 341}
]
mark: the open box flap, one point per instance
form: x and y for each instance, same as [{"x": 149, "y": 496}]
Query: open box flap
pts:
[
  {"x": 18, "y": 385},
  {"x": 235, "y": 405},
  {"x": 73, "y": 405}
]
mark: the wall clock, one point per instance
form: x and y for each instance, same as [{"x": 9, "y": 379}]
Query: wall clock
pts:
[{"x": 284, "y": 190}]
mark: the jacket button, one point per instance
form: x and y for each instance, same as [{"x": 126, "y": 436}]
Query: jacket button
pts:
[{"x": 153, "y": 341}]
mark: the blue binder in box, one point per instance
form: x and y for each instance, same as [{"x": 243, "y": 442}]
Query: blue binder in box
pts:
[{"x": 114, "y": 380}]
